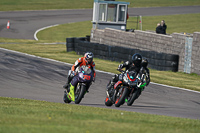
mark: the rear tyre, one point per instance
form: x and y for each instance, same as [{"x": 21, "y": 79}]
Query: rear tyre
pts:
[
  {"x": 108, "y": 102},
  {"x": 133, "y": 97},
  {"x": 65, "y": 98},
  {"x": 80, "y": 92},
  {"x": 120, "y": 96}
]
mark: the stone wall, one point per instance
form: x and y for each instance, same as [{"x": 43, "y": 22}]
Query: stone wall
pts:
[
  {"x": 157, "y": 61},
  {"x": 149, "y": 41}
]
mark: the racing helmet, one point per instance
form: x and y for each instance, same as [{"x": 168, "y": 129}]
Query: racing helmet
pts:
[
  {"x": 88, "y": 57},
  {"x": 145, "y": 62},
  {"x": 137, "y": 59}
]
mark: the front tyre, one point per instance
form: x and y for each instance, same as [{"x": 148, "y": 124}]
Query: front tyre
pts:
[
  {"x": 120, "y": 96},
  {"x": 80, "y": 92}
]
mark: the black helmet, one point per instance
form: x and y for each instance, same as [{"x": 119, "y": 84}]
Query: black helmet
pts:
[
  {"x": 137, "y": 59},
  {"x": 145, "y": 62}
]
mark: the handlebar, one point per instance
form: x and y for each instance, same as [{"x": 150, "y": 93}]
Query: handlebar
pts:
[
  {"x": 120, "y": 70},
  {"x": 73, "y": 73}
]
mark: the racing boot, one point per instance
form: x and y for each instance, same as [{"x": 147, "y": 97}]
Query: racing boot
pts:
[
  {"x": 71, "y": 93},
  {"x": 110, "y": 89},
  {"x": 69, "y": 79},
  {"x": 65, "y": 96},
  {"x": 66, "y": 86}
]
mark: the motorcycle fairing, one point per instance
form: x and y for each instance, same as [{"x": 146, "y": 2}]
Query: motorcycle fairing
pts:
[
  {"x": 131, "y": 77},
  {"x": 116, "y": 84}
]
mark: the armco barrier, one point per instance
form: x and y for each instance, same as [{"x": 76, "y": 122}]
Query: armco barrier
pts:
[{"x": 158, "y": 61}]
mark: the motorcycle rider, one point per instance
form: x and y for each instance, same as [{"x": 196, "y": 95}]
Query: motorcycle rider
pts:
[
  {"x": 134, "y": 65},
  {"x": 87, "y": 60},
  {"x": 146, "y": 71}
]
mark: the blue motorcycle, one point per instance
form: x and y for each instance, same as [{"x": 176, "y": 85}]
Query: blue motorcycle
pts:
[{"x": 83, "y": 79}]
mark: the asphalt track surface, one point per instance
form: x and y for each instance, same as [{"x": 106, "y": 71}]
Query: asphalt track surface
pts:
[{"x": 30, "y": 77}]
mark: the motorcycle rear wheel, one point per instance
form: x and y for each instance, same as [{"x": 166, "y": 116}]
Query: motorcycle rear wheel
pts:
[
  {"x": 66, "y": 99},
  {"x": 134, "y": 96},
  {"x": 108, "y": 102}
]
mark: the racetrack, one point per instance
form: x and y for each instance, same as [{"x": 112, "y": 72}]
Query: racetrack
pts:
[{"x": 30, "y": 77}]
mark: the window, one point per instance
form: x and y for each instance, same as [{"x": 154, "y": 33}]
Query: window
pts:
[
  {"x": 112, "y": 10},
  {"x": 122, "y": 13},
  {"x": 102, "y": 12}
]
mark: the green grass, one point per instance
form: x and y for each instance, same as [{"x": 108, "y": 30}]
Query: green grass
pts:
[
  {"x": 61, "y": 32},
  {"x": 44, "y": 4},
  {"x": 10, "y": 5},
  {"x": 158, "y": 3},
  {"x": 175, "y": 23},
  {"x": 22, "y": 116}
]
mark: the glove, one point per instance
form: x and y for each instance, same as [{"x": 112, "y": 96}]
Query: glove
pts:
[
  {"x": 120, "y": 66},
  {"x": 72, "y": 73},
  {"x": 143, "y": 85}
]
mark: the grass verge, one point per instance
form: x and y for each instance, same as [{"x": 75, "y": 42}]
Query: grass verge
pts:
[
  {"x": 175, "y": 23},
  {"x": 10, "y": 5},
  {"x": 21, "y": 115}
]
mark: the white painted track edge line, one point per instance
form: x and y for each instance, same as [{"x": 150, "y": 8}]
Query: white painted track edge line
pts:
[
  {"x": 96, "y": 70},
  {"x": 35, "y": 34}
]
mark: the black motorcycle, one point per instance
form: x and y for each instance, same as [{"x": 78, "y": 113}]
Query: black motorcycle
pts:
[{"x": 127, "y": 89}]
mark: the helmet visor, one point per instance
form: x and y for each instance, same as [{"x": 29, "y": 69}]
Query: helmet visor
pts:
[{"x": 89, "y": 60}]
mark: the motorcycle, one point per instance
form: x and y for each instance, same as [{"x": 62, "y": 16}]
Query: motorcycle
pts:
[
  {"x": 127, "y": 89},
  {"x": 84, "y": 77},
  {"x": 136, "y": 90}
]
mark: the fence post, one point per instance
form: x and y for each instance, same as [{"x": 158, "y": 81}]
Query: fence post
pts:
[
  {"x": 188, "y": 54},
  {"x": 140, "y": 22}
]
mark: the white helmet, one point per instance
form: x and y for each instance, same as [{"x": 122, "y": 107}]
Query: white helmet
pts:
[{"x": 88, "y": 57}]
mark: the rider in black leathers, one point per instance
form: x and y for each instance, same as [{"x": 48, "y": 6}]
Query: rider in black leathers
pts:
[
  {"x": 134, "y": 65},
  {"x": 145, "y": 71}
]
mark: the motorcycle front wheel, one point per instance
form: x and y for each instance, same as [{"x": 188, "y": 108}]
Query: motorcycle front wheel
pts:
[
  {"x": 120, "y": 96},
  {"x": 79, "y": 93}
]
